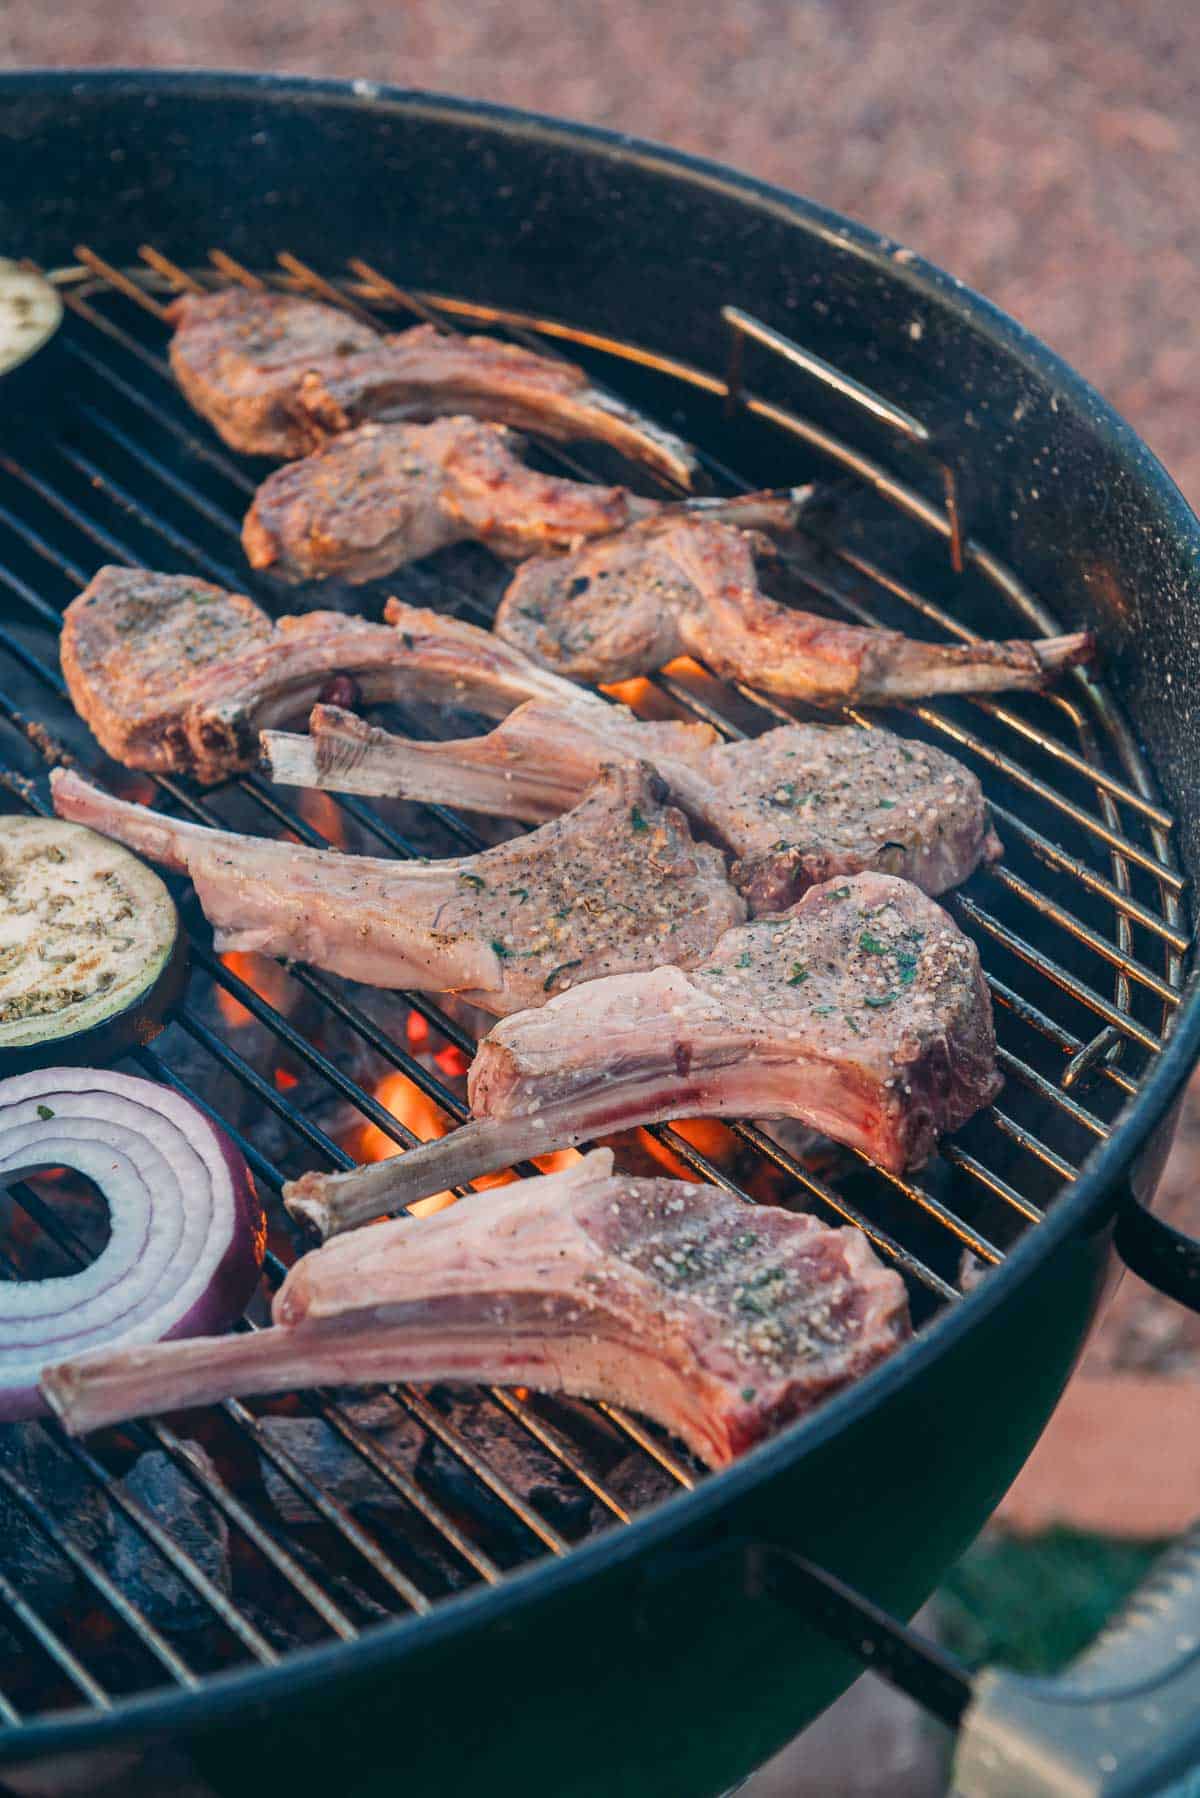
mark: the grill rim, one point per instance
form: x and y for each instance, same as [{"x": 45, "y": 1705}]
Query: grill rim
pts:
[{"x": 1102, "y": 1181}]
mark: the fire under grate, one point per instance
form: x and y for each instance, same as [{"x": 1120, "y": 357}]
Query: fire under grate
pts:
[{"x": 158, "y": 1555}]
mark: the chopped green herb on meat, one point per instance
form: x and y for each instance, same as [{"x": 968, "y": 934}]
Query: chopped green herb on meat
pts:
[{"x": 562, "y": 968}]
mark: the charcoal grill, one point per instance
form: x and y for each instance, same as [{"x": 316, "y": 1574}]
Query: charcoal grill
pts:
[{"x": 494, "y": 1625}]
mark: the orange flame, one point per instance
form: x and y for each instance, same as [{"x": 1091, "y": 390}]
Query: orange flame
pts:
[
  {"x": 632, "y": 693},
  {"x": 685, "y": 665},
  {"x": 410, "y": 1107},
  {"x": 425, "y": 1118},
  {"x": 261, "y": 975},
  {"x": 324, "y": 814},
  {"x": 714, "y": 1140}
]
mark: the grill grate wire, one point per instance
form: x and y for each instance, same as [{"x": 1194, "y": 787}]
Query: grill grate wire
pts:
[{"x": 1049, "y": 1061}]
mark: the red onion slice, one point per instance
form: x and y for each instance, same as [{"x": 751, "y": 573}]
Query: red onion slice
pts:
[{"x": 187, "y": 1233}]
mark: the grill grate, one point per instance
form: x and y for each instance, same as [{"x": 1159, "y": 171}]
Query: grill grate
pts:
[{"x": 1082, "y": 930}]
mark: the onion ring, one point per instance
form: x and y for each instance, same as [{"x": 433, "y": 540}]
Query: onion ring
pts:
[{"x": 187, "y": 1232}]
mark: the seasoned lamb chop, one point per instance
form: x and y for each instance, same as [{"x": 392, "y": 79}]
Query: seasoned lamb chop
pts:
[
  {"x": 722, "y": 1321},
  {"x": 383, "y": 495},
  {"x": 615, "y": 884},
  {"x": 861, "y": 1012},
  {"x": 277, "y": 375},
  {"x": 686, "y": 585},
  {"x": 177, "y": 675},
  {"x": 791, "y": 807},
  {"x": 372, "y": 499}
]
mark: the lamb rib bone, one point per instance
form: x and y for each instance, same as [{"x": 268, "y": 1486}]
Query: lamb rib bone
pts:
[
  {"x": 175, "y": 675},
  {"x": 720, "y": 1320},
  {"x": 277, "y": 374},
  {"x": 791, "y": 807},
  {"x": 616, "y": 883},
  {"x": 536, "y": 764},
  {"x": 375, "y": 498},
  {"x": 862, "y": 1012},
  {"x": 627, "y": 604}
]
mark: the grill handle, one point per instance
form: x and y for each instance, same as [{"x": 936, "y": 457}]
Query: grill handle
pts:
[
  {"x": 1122, "y": 1722},
  {"x": 1158, "y": 1253}
]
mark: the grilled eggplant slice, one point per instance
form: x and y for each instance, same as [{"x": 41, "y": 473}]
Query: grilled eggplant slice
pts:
[
  {"x": 31, "y": 312},
  {"x": 92, "y": 954}
]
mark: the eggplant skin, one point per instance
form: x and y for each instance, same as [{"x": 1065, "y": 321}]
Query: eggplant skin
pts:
[{"x": 135, "y": 1025}]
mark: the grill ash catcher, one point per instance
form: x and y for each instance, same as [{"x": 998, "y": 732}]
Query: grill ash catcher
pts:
[{"x": 441, "y": 1585}]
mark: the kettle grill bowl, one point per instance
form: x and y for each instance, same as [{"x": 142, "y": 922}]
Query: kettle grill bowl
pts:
[{"x": 648, "y": 1633}]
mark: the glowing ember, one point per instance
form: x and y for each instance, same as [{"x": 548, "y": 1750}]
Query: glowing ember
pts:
[{"x": 136, "y": 787}]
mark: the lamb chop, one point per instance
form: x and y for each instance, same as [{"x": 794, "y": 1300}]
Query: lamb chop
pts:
[
  {"x": 791, "y": 807},
  {"x": 861, "y": 1012},
  {"x": 721, "y": 1321},
  {"x": 277, "y": 375},
  {"x": 615, "y": 884},
  {"x": 687, "y": 585},
  {"x": 177, "y": 675},
  {"x": 374, "y": 498}
]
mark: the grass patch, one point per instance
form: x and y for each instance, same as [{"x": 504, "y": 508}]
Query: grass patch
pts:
[{"x": 1033, "y": 1605}]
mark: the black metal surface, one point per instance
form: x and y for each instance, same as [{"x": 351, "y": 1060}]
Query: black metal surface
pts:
[
  {"x": 913, "y": 1663},
  {"x": 134, "y": 478},
  {"x": 1164, "y": 1257}
]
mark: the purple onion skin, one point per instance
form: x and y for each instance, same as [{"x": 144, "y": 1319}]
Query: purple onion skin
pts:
[
  {"x": 19, "y": 1403},
  {"x": 235, "y": 1277},
  {"x": 228, "y": 1292}
]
